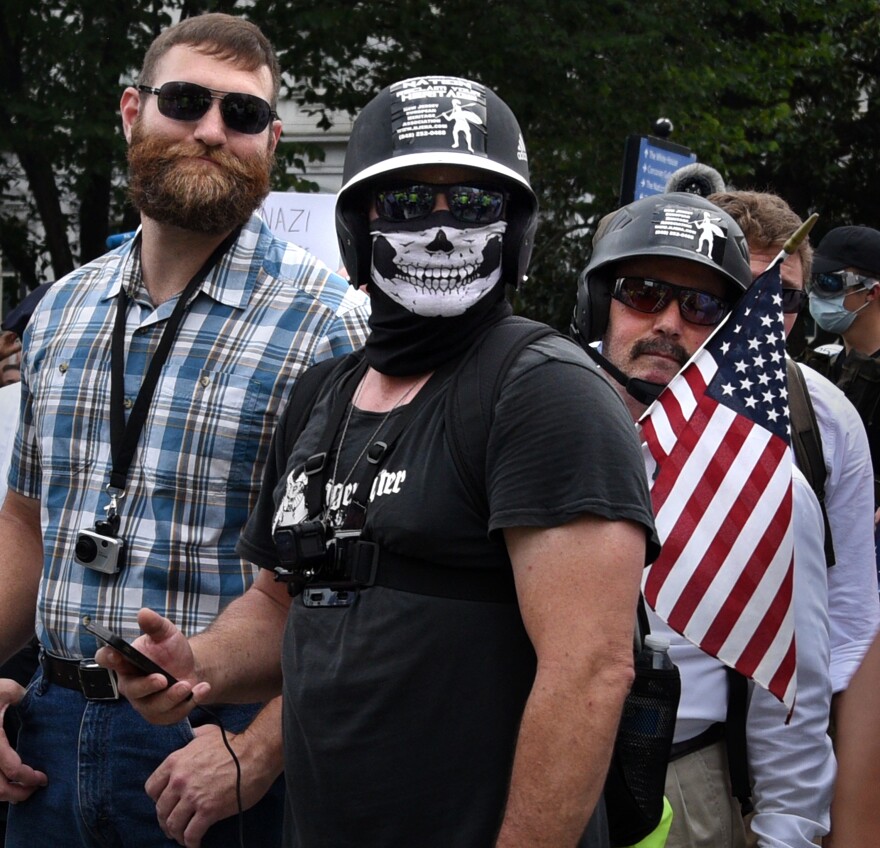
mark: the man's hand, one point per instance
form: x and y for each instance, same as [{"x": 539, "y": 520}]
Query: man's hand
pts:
[
  {"x": 17, "y": 780},
  {"x": 9, "y": 344},
  {"x": 150, "y": 694},
  {"x": 195, "y": 786}
]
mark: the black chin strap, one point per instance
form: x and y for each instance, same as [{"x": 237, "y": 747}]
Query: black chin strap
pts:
[{"x": 642, "y": 390}]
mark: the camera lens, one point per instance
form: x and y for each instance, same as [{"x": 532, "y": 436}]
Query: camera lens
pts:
[{"x": 86, "y": 549}]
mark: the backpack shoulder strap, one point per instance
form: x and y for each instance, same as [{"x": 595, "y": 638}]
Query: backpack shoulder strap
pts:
[
  {"x": 807, "y": 444},
  {"x": 473, "y": 393},
  {"x": 304, "y": 396}
]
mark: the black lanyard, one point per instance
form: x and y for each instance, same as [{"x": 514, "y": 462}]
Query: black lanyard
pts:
[{"x": 124, "y": 435}]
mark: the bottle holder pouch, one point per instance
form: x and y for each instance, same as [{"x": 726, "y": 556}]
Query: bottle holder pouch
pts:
[{"x": 636, "y": 779}]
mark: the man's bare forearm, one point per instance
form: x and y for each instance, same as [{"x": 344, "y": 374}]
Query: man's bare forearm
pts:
[
  {"x": 21, "y": 564},
  {"x": 562, "y": 755},
  {"x": 240, "y": 653}
]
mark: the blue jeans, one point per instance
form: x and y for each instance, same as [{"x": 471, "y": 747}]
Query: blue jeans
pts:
[{"x": 97, "y": 756}]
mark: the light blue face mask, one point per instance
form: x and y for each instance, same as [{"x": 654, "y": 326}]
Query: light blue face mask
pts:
[{"x": 830, "y": 313}]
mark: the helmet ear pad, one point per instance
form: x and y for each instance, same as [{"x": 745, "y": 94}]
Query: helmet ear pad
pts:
[
  {"x": 593, "y": 305},
  {"x": 519, "y": 237},
  {"x": 353, "y": 233}
]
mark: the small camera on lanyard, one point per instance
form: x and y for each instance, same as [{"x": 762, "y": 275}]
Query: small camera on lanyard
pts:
[{"x": 100, "y": 549}]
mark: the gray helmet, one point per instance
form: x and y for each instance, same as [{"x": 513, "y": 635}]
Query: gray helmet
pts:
[
  {"x": 435, "y": 120},
  {"x": 679, "y": 225}
]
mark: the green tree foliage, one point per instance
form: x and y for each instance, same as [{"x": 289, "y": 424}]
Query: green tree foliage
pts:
[
  {"x": 63, "y": 65},
  {"x": 775, "y": 94},
  {"x": 61, "y": 70}
]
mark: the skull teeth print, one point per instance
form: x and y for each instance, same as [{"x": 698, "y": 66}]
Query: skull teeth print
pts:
[
  {"x": 437, "y": 280},
  {"x": 439, "y": 271}
]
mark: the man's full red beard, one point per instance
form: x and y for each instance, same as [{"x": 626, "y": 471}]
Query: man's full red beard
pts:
[{"x": 171, "y": 183}]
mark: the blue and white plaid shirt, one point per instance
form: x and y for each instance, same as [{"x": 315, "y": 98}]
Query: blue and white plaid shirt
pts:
[{"x": 267, "y": 311}]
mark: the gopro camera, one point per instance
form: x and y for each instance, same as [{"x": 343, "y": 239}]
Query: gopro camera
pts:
[
  {"x": 98, "y": 551},
  {"x": 303, "y": 546}
]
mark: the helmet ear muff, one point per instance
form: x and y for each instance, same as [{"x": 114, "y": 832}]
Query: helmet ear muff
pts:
[
  {"x": 593, "y": 306},
  {"x": 519, "y": 238},
  {"x": 353, "y": 234}
]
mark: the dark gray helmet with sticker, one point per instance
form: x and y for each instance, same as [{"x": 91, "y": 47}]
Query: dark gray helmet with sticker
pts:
[
  {"x": 435, "y": 120},
  {"x": 678, "y": 225}
]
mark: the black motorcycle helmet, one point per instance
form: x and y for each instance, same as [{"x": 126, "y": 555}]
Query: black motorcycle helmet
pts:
[
  {"x": 412, "y": 123},
  {"x": 660, "y": 225}
]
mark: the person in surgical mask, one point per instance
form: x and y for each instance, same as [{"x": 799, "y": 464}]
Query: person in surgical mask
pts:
[{"x": 844, "y": 296}]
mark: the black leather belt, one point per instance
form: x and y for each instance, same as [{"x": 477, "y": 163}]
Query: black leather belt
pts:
[
  {"x": 714, "y": 734},
  {"x": 85, "y": 676}
]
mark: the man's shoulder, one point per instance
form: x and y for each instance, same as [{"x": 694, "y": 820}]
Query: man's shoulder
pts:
[
  {"x": 88, "y": 282},
  {"x": 298, "y": 269}
]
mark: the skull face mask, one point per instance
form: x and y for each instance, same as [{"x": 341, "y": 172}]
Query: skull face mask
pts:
[{"x": 436, "y": 266}]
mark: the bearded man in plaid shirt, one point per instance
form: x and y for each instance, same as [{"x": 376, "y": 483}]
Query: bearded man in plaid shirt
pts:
[{"x": 137, "y": 463}]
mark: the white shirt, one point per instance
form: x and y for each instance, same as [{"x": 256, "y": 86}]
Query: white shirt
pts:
[
  {"x": 792, "y": 766},
  {"x": 849, "y": 501},
  {"x": 10, "y": 397}
]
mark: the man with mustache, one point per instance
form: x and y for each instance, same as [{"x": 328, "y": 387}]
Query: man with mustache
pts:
[
  {"x": 651, "y": 294},
  {"x": 152, "y": 378}
]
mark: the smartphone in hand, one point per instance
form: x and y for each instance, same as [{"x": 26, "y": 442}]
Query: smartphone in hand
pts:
[{"x": 132, "y": 654}]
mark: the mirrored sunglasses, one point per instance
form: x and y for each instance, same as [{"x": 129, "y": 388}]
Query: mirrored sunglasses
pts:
[
  {"x": 833, "y": 283},
  {"x": 646, "y": 295},
  {"x": 468, "y": 204},
  {"x": 186, "y": 101}
]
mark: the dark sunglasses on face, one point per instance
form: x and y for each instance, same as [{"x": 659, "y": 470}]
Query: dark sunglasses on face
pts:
[
  {"x": 830, "y": 284},
  {"x": 792, "y": 300},
  {"x": 651, "y": 296},
  {"x": 186, "y": 101},
  {"x": 468, "y": 204}
]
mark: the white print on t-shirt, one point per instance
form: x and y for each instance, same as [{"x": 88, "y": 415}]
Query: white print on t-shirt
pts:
[
  {"x": 385, "y": 483},
  {"x": 292, "y": 509}
]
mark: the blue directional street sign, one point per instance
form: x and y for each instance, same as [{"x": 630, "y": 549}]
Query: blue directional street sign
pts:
[{"x": 648, "y": 163}]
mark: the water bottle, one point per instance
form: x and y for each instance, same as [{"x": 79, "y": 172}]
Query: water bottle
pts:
[{"x": 655, "y": 653}]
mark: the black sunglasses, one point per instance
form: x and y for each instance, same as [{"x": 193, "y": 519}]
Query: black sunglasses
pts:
[
  {"x": 646, "y": 295},
  {"x": 186, "y": 101},
  {"x": 792, "y": 300},
  {"x": 469, "y": 204},
  {"x": 830, "y": 284}
]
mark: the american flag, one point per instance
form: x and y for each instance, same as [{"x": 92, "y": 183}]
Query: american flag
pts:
[{"x": 722, "y": 495}]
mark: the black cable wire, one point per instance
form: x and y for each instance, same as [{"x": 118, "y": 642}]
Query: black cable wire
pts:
[{"x": 237, "y": 764}]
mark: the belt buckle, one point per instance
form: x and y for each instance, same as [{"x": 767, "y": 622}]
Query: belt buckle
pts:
[{"x": 94, "y": 686}]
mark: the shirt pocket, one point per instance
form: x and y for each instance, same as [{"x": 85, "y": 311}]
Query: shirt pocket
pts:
[
  {"x": 204, "y": 431},
  {"x": 71, "y": 412}
]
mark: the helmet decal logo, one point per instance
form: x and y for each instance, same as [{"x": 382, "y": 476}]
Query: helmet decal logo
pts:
[
  {"x": 427, "y": 109},
  {"x": 521, "y": 149},
  {"x": 461, "y": 121},
  {"x": 440, "y": 271},
  {"x": 697, "y": 229}
]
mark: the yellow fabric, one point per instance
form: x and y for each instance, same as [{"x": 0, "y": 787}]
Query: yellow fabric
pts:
[{"x": 657, "y": 837}]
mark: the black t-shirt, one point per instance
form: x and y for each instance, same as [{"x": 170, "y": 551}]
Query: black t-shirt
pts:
[{"x": 401, "y": 711}]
